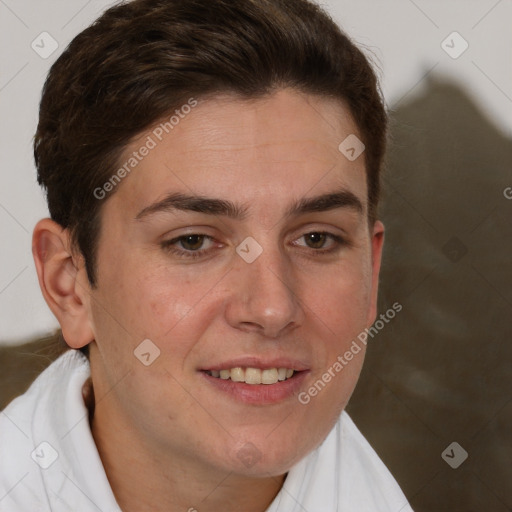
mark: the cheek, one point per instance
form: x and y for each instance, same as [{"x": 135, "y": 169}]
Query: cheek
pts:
[
  {"x": 176, "y": 310},
  {"x": 162, "y": 305},
  {"x": 172, "y": 303},
  {"x": 148, "y": 295},
  {"x": 341, "y": 300}
]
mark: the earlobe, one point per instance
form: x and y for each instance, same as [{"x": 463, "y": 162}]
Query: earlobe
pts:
[{"x": 61, "y": 283}]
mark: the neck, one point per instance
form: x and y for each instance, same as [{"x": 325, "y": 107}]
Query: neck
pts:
[{"x": 145, "y": 479}]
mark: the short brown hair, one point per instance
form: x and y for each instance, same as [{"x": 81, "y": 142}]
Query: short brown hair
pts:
[{"x": 142, "y": 59}]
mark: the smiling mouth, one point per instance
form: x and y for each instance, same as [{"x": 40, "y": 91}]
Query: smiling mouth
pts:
[{"x": 253, "y": 375}]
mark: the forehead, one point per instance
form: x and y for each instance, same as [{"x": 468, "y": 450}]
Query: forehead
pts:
[{"x": 282, "y": 145}]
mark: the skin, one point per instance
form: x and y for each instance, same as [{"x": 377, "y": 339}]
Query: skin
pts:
[{"x": 184, "y": 435}]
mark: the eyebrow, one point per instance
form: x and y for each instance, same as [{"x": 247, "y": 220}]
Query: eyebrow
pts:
[
  {"x": 176, "y": 201},
  {"x": 200, "y": 204},
  {"x": 341, "y": 199}
]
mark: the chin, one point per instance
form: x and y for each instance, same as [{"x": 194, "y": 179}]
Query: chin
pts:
[
  {"x": 264, "y": 456},
  {"x": 266, "y": 466}
]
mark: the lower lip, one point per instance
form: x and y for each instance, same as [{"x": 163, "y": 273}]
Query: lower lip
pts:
[{"x": 259, "y": 394}]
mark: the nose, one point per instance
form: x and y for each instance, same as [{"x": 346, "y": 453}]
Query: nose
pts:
[{"x": 264, "y": 296}]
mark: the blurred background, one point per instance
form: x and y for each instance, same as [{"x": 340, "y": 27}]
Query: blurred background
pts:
[{"x": 440, "y": 372}]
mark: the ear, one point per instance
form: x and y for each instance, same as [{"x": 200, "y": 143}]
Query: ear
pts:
[
  {"x": 63, "y": 282},
  {"x": 377, "y": 245}
]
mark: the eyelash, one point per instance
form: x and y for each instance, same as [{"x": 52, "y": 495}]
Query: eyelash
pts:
[{"x": 169, "y": 245}]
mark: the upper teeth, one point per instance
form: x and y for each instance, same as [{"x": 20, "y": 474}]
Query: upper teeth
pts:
[{"x": 253, "y": 375}]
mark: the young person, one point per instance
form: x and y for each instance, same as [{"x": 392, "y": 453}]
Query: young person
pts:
[{"x": 212, "y": 174}]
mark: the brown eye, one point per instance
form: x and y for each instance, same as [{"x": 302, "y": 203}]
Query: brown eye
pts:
[
  {"x": 315, "y": 240},
  {"x": 321, "y": 242},
  {"x": 194, "y": 245},
  {"x": 192, "y": 242}
]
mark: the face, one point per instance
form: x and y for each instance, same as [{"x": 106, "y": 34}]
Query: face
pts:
[{"x": 239, "y": 243}]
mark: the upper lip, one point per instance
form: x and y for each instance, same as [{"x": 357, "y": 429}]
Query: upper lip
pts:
[{"x": 258, "y": 362}]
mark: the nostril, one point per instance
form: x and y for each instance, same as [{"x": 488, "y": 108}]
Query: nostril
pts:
[{"x": 250, "y": 327}]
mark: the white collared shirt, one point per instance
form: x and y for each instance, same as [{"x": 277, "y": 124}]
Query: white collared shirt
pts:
[{"x": 49, "y": 461}]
